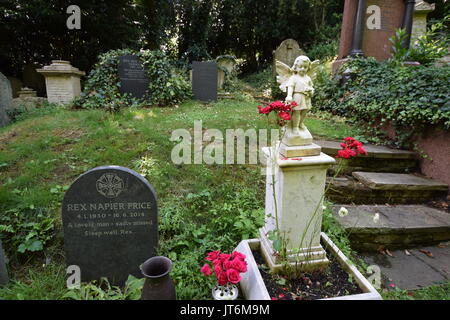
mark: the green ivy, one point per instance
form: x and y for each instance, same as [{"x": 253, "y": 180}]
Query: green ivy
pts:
[
  {"x": 167, "y": 86},
  {"x": 409, "y": 98}
]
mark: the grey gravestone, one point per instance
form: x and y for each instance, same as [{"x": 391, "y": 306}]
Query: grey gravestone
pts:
[
  {"x": 110, "y": 218},
  {"x": 133, "y": 77},
  {"x": 204, "y": 80},
  {"x": 5, "y": 100},
  {"x": 286, "y": 52},
  {"x": 3, "y": 271}
]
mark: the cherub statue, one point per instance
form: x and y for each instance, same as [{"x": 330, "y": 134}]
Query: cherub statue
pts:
[{"x": 298, "y": 85}]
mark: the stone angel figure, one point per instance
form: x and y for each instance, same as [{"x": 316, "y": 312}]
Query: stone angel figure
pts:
[{"x": 297, "y": 83}]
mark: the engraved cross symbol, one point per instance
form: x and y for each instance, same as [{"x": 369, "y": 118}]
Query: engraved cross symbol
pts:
[{"x": 110, "y": 185}]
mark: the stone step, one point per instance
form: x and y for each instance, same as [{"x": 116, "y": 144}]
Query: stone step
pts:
[
  {"x": 379, "y": 158},
  {"x": 413, "y": 268},
  {"x": 385, "y": 188},
  {"x": 398, "y": 226}
]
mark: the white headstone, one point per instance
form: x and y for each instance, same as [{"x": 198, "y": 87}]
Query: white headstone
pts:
[{"x": 62, "y": 81}]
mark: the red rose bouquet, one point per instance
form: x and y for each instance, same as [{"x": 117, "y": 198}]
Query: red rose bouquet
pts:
[
  {"x": 283, "y": 110},
  {"x": 351, "y": 148},
  {"x": 226, "y": 267}
]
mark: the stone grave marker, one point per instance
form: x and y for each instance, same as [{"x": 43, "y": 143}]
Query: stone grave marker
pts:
[
  {"x": 133, "y": 77},
  {"x": 110, "y": 217},
  {"x": 204, "y": 80},
  {"x": 62, "y": 81},
  {"x": 286, "y": 52},
  {"x": 3, "y": 271},
  {"x": 5, "y": 100}
]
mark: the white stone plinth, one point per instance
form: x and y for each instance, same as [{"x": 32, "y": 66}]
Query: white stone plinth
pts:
[
  {"x": 62, "y": 81},
  {"x": 299, "y": 190}
]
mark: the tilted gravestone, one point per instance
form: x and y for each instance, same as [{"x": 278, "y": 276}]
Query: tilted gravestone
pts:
[
  {"x": 110, "y": 217},
  {"x": 3, "y": 271},
  {"x": 132, "y": 75},
  {"x": 204, "y": 80},
  {"x": 5, "y": 100},
  {"x": 286, "y": 52}
]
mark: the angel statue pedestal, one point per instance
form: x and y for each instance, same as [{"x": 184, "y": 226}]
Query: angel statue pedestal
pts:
[{"x": 295, "y": 183}]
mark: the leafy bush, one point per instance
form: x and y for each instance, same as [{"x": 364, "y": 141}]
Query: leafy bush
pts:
[
  {"x": 409, "y": 98},
  {"x": 167, "y": 85}
]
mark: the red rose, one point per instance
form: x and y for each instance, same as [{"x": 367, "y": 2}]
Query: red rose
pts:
[
  {"x": 239, "y": 265},
  {"x": 213, "y": 255},
  {"x": 284, "y": 115},
  {"x": 222, "y": 279},
  {"x": 224, "y": 256},
  {"x": 217, "y": 270},
  {"x": 237, "y": 254},
  {"x": 206, "y": 270},
  {"x": 233, "y": 276}
]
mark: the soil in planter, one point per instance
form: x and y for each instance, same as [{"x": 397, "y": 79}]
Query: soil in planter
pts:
[{"x": 332, "y": 282}]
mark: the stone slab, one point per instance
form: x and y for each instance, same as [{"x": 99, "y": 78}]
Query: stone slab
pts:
[
  {"x": 204, "y": 80},
  {"x": 133, "y": 76},
  {"x": 300, "y": 151},
  {"x": 381, "y": 152},
  {"x": 398, "y": 181},
  {"x": 3, "y": 270},
  {"x": 5, "y": 100},
  {"x": 413, "y": 271},
  {"x": 399, "y": 226},
  {"x": 110, "y": 222}
]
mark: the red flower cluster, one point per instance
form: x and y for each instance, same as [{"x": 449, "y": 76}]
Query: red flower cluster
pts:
[
  {"x": 351, "y": 148},
  {"x": 227, "y": 267},
  {"x": 283, "y": 110}
]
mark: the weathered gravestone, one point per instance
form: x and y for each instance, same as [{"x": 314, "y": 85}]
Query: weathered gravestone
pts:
[
  {"x": 5, "y": 100},
  {"x": 204, "y": 80},
  {"x": 110, "y": 223},
  {"x": 62, "y": 81},
  {"x": 3, "y": 271},
  {"x": 286, "y": 52},
  {"x": 133, "y": 77}
]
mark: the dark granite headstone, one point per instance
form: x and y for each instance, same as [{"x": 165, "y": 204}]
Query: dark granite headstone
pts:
[
  {"x": 204, "y": 80},
  {"x": 132, "y": 75},
  {"x": 3, "y": 271},
  {"x": 110, "y": 218}
]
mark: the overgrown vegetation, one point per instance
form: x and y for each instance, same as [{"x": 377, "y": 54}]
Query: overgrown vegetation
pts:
[
  {"x": 167, "y": 86},
  {"x": 408, "y": 98}
]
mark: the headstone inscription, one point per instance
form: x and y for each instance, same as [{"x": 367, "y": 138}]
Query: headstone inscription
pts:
[
  {"x": 110, "y": 223},
  {"x": 5, "y": 100},
  {"x": 133, "y": 77},
  {"x": 204, "y": 80},
  {"x": 3, "y": 271}
]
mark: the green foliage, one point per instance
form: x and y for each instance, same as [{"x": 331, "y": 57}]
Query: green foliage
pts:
[
  {"x": 26, "y": 227},
  {"x": 212, "y": 219},
  {"x": 42, "y": 282},
  {"x": 102, "y": 290},
  {"x": 167, "y": 85},
  {"x": 410, "y": 98},
  {"x": 426, "y": 50},
  {"x": 436, "y": 292}
]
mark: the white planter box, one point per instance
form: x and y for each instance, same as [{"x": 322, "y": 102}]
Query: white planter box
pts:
[{"x": 253, "y": 287}]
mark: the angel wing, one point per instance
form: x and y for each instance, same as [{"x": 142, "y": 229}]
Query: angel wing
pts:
[
  {"x": 284, "y": 73},
  {"x": 313, "y": 70}
]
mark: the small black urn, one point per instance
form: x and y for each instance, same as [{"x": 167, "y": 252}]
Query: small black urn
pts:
[{"x": 158, "y": 285}]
